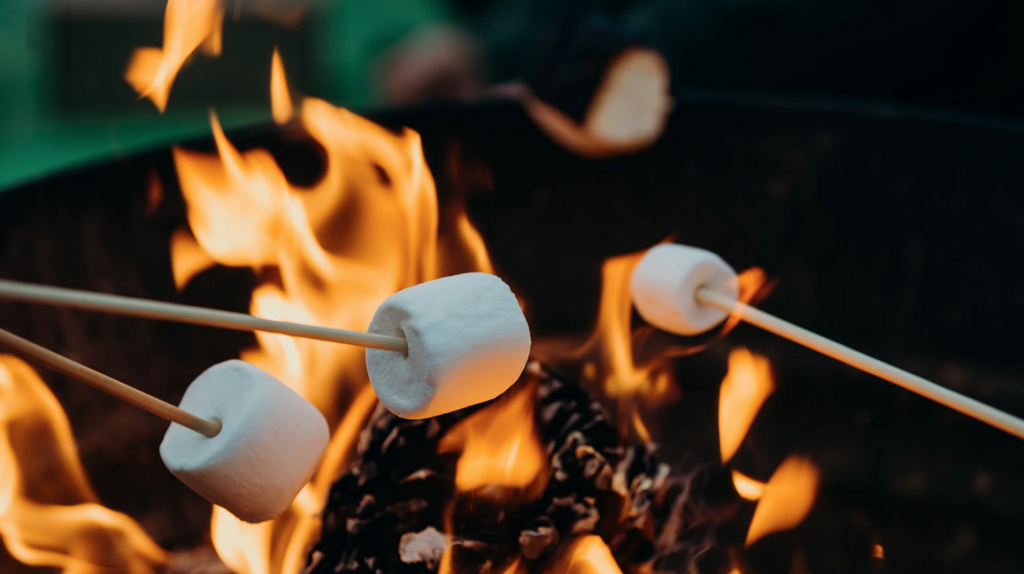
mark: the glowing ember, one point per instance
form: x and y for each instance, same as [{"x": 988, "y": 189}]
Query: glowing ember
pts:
[
  {"x": 280, "y": 99},
  {"x": 745, "y": 388},
  {"x": 49, "y": 515},
  {"x": 788, "y": 498},
  {"x": 747, "y": 487},
  {"x": 877, "y": 551},
  {"x": 189, "y": 25},
  {"x": 499, "y": 445},
  {"x": 589, "y": 555}
]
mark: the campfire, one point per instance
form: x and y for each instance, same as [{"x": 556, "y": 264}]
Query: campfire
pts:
[{"x": 621, "y": 429}]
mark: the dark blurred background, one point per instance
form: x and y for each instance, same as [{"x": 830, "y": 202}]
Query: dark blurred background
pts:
[{"x": 63, "y": 99}]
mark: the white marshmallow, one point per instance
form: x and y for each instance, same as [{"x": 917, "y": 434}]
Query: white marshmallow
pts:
[
  {"x": 468, "y": 342},
  {"x": 270, "y": 444},
  {"x": 665, "y": 282}
]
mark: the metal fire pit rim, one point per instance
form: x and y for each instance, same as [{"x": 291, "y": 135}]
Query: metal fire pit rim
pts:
[{"x": 823, "y": 106}]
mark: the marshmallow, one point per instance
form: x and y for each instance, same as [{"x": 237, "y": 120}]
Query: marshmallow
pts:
[
  {"x": 665, "y": 282},
  {"x": 468, "y": 342},
  {"x": 270, "y": 443}
]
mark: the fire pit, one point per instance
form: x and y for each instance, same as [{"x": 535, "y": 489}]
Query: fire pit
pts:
[{"x": 889, "y": 230}]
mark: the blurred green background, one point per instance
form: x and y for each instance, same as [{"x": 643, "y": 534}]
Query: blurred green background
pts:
[{"x": 63, "y": 99}]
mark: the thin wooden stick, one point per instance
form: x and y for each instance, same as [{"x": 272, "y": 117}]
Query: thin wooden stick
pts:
[
  {"x": 120, "y": 305},
  {"x": 966, "y": 405},
  {"x": 130, "y": 395}
]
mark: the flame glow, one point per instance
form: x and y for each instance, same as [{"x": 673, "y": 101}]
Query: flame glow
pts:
[
  {"x": 589, "y": 555},
  {"x": 499, "y": 445},
  {"x": 367, "y": 229},
  {"x": 746, "y": 387},
  {"x": 187, "y": 258},
  {"x": 281, "y": 545},
  {"x": 49, "y": 514},
  {"x": 747, "y": 487},
  {"x": 280, "y": 100},
  {"x": 640, "y": 428},
  {"x": 244, "y": 212},
  {"x": 610, "y": 347},
  {"x": 753, "y": 287},
  {"x": 788, "y": 498},
  {"x": 609, "y": 352},
  {"x": 189, "y": 25},
  {"x": 613, "y": 335}
]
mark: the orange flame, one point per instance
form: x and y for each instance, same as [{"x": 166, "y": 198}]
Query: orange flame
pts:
[
  {"x": 187, "y": 258},
  {"x": 445, "y": 565},
  {"x": 49, "y": 514},
  {"x": 610, "y": 347},
  {"x": 613, "y": 334},
  {"x": 280, "y": 100},
  {"x": 747, "y": 487},
  {"x": 746, "y": 387},
  {"x": 499, "y": 445},
  {"x": 788, "y": 498},
  {"x": 641, "y": 429},
  {"x": 367, "y": 229},
  {"x": 753, "y": 287},
  {"x": 189, "y": 25},
  {"x": 340, "y": 247},
  {"x": 588, "y": 555},
  {"x": 281, "y": 545}
]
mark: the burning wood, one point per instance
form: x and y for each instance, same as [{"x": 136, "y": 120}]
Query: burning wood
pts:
[{"x": 401, "y": 504}]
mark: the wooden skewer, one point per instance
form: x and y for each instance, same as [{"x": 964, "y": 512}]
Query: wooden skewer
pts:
[
  {"x": 121, "y": 305},
  {"x": 966, "y": 405},
  {"x": 130, "y": 395}
]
